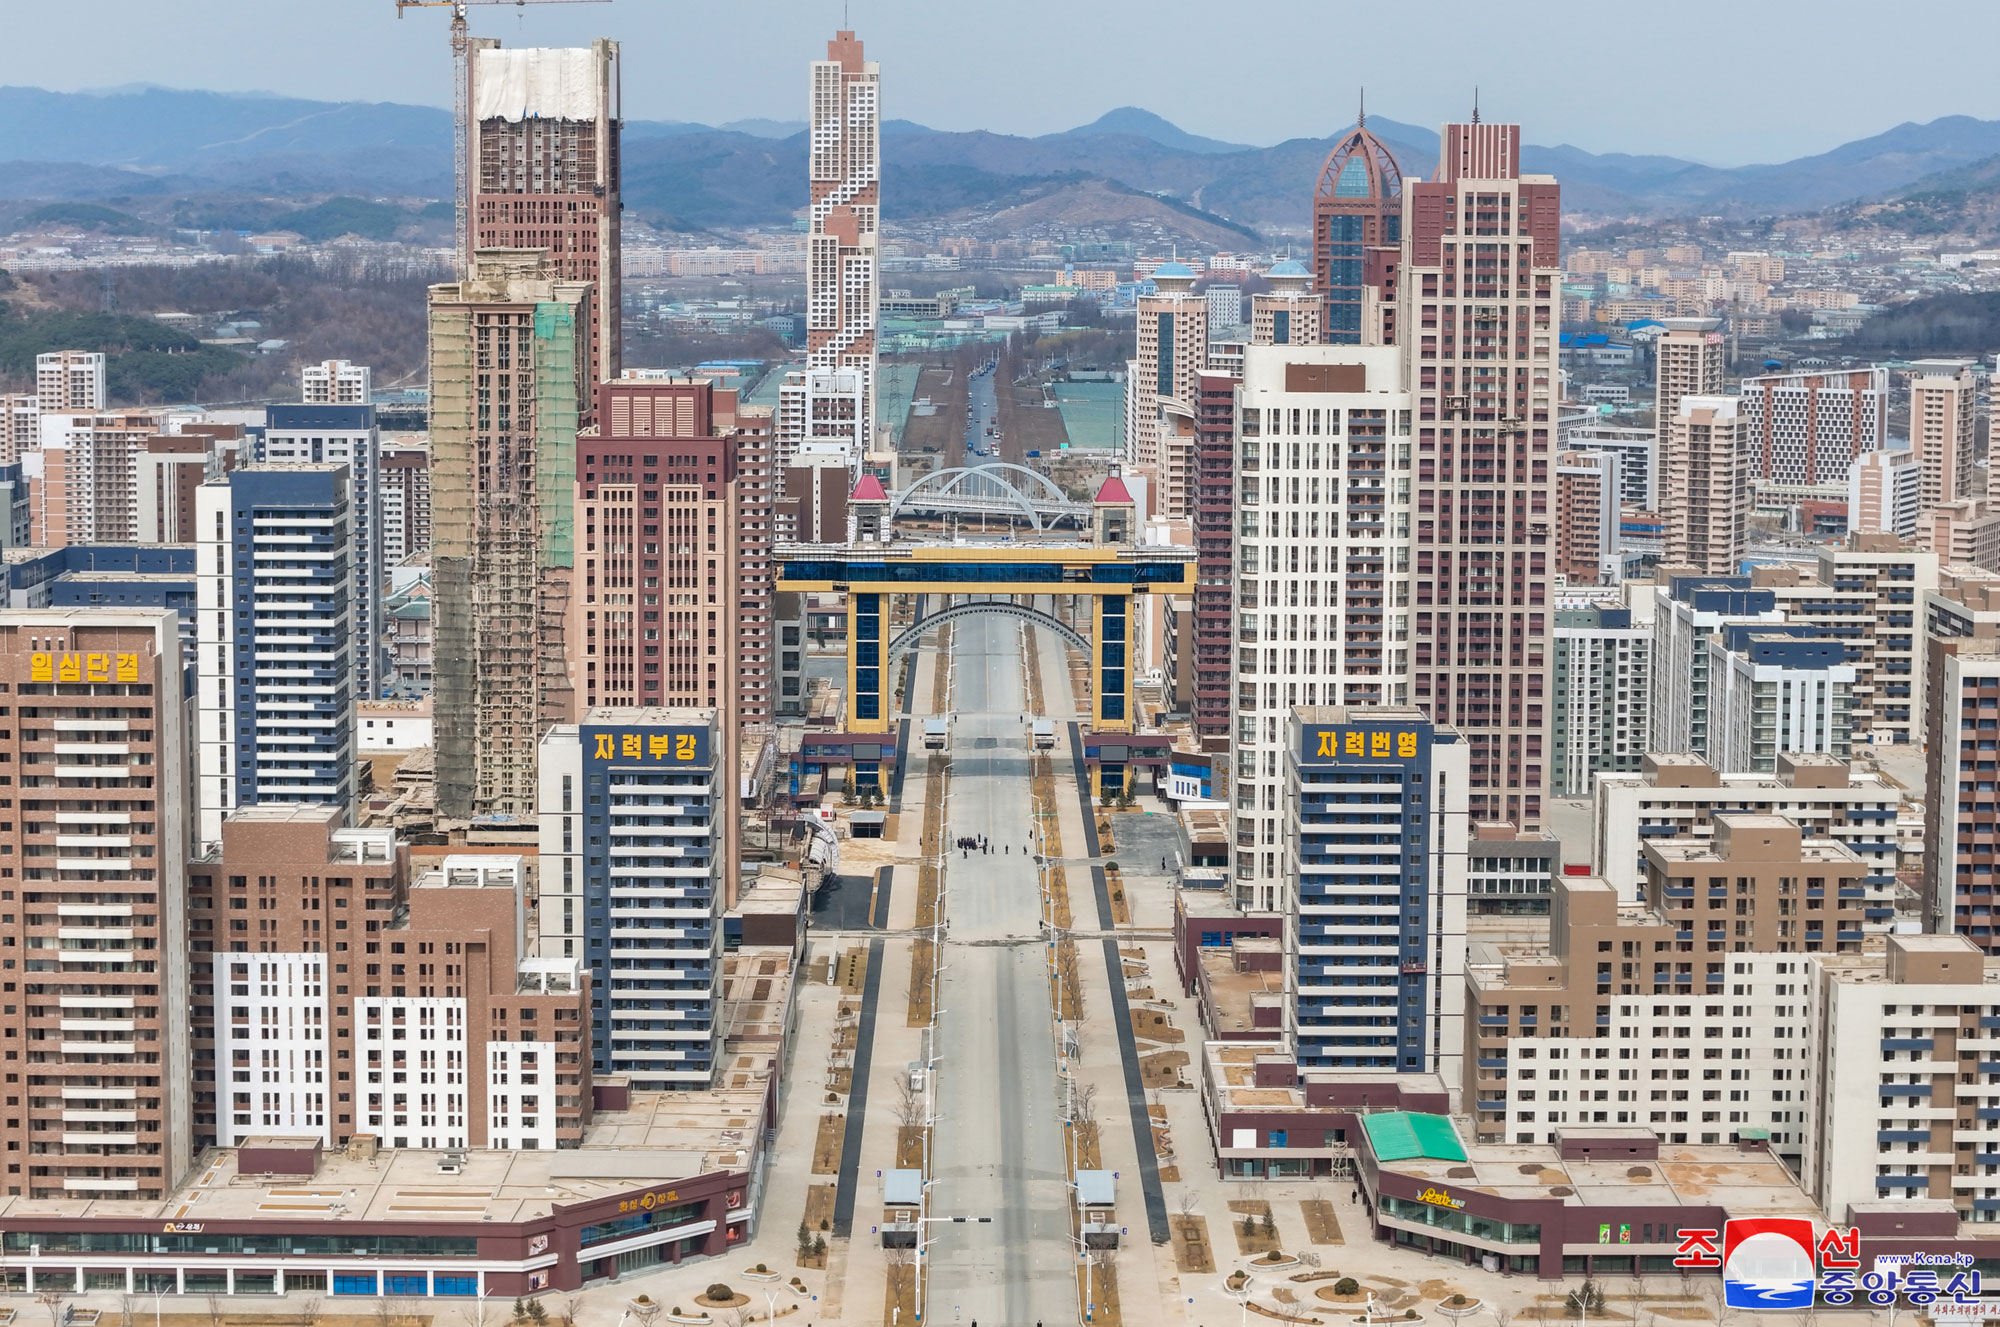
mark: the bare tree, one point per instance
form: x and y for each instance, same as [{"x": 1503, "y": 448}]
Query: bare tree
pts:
[
  {"x": 127, "y": 1307},
  {"x": 53, "y": 1301},
  {"x": 909, "y": 1103},
  {"x": 1086, "y": 1103},
  {"x": 312, "y": 1308},
  {"x": 1189, "y": 1200},
  {"x": 572, "y": 1309},
  {"x": 647, "y": 1313},
  {"x": 473, "y": 1314},
  {"x": 215, "y": 1309},
  {"x": 1502, "y": 1317},
  {"x": 901, "y": 1266}
]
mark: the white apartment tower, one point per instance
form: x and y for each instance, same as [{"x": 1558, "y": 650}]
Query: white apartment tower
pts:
[
  {"x": 336, "y": 382},
  {"x": 638, "y": 864},
  {"x": 343, "y": 435},
  {"x": 276, "y": 635},
  {"x": 1321, "y": 563},
  {"x": 69, "y": 380},
  {"x": 833, "y": 400}
]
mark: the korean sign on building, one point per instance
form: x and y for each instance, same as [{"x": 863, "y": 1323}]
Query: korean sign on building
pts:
[
  {"x": 1322, "y": 743},
  {"x": 647, "y": 746},
  {"x": 44, "y": 667}
]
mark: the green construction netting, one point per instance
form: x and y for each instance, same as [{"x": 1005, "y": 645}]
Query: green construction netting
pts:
[{"x": 1401, "y": 1135}]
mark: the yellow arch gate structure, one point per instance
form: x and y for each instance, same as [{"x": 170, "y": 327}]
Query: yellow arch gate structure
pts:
[{"x": 871, "y": 575}]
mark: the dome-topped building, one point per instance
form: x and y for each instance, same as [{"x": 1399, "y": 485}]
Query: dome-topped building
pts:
[{"x": 1357, "y": 206}]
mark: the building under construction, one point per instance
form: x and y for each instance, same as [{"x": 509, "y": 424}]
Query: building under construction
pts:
[
  {"x": 542, "y": 170},
  {"x": 509, "y": 355}
]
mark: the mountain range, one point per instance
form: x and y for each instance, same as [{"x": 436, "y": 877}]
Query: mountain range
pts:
[{"x": 156, "y": 142}]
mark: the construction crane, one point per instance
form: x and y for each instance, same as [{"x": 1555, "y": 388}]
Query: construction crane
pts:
[{"x": 461, "y": 95}]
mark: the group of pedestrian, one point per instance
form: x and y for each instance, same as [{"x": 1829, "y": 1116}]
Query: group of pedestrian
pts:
[{"x": 967, "y": 844}]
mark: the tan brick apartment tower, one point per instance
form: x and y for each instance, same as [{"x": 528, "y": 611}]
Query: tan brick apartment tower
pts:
[
  {"x": 1357, "y": 207},
  {"x": 509, "y": 350},
  {"x": 93, "y": 817},
  {"x": 1172, "y": 350},
  {"x": 1943, "y": 405},
  {"x": 1480, "y": 304},
  {"x": 544, "y": 171},
  {"x": 654, "y": 616},
  {"x": 1705, "y": 485}
]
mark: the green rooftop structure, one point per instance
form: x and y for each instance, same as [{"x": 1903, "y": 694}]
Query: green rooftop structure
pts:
[{"x": 1401, "y": 1135}]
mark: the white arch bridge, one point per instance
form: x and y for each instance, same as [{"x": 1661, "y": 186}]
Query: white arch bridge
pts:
[
  {"x": 907, "y": 639},
  {"x": 1003, "y": 489}
]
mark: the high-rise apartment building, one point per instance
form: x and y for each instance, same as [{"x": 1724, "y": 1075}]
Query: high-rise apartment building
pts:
[
  {"x": 1322, "y": 568},
  {"x": 1681, "y": 797},
  {"x": 69, "y": 381},
  {"x": 85, "y": 476},
  {"x": 1375, "y": 958},
  {"x": 336, "y": 382},
  {"x": 1943, "y": 406},
  {"x": 1884, "y": 493},
  {"x": 423, "y": 1022},
  {"x": 1869, "y": 594},
  {"x": 545, "y": 172},
  {"x": 1600, "y": 690},
  {"x": 638, "y": 864},
  {"x": 1961, "y": 843},
  {"x": 20, "y": 425},
  {"x": 277, "y": 640},
  {"x": 509, "y": 350},
  {"x": 1225, "y": 305},
  {"x": 405, "y": 469},
  {"x": 1641, "y": 993},
  {"x": 831, "y": 404},
  {"x": 1687, "y": 362},
  {"x": 98, "y": 751},
  {"x": 759, "y": 694},
  {"x": 172, "y": 470},
  {"x": 343, "y": 435},
  {"x": 1289, "y": 313},
  {"x": 1687, "y": 611},
  {"x": 1480, "y": 309},
  {"x": 1704, "y": 485},
  {"x": 1774, "y": 690},
  {"x": 1587, "y": 517},
  {"x": 1813, "y": 427},
  {"x": 1171, "y": 352},
  {"x": 1901, "y": 1043},
  {"x": 1357, "y": 206},
  {"x": 1637, "y": 451},
  {"x": 654, "y": 609}
]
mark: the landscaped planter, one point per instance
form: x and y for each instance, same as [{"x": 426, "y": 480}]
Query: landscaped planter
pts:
[
  {"x": 689, "y": 1318},
  {"x": 754, "y": 1275},
  {"x": 1467, "y": 1309},
  {"x": 1268, "y": 1263}
]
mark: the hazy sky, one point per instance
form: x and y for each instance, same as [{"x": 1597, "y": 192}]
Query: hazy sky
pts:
[{"x": 1722, "y": 81}]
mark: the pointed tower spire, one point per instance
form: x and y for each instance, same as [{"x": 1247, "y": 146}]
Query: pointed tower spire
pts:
[
  {"x": 1361, "y": 119},
  {"x": 1475, "y": 103}
]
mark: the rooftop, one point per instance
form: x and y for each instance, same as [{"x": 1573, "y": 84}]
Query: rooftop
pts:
[
  {"x": 1404, "y": 1135},
  {"x": 663, "y": 1137},
  {"x": 1744, "y": 1183}
]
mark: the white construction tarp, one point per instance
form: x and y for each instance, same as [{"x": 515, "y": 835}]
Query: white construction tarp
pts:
[{"x": 534, "y": 83}]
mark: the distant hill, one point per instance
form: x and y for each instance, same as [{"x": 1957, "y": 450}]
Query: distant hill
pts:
[{"x": 150, "y": 141}]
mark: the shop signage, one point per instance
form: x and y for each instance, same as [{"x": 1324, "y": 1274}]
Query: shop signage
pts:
[
  {"x": 646, "y": 1202},
  {"x": 1439, "y": 1198}
]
